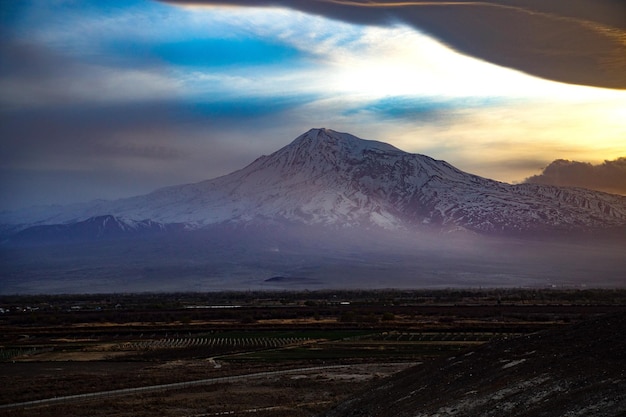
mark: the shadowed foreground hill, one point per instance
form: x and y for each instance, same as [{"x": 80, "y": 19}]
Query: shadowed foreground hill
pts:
[{"x": 577, "y": 370}]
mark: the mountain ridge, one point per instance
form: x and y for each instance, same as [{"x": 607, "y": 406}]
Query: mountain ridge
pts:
[{"x": 98, "y": 228}]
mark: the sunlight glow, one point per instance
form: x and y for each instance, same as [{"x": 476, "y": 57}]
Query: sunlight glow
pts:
[
  {"x": 500, "y": 123},
  {"x": 382, "y": 61}
]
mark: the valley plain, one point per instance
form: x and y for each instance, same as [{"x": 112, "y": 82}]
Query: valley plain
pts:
[
  {"x": 331, "y": 345},
  {"x": 226, "y": 258}
]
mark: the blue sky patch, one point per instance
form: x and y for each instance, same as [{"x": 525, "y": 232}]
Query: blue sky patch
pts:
[
  {"x": 422, "y": 108},
  {"x": 221, "y": 52}
]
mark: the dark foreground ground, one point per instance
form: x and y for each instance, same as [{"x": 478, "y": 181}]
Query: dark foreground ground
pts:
[
  {"x": 577, "y": 370},
  {"x": 490, "y": 352}
]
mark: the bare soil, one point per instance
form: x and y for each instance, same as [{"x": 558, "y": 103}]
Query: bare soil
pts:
[{"x": 301, "y": 394}]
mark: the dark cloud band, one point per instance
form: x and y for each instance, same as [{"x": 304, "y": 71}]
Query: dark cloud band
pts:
[
  {"x": 609, "y": 176},
  {"x": 572, "y": 41}
]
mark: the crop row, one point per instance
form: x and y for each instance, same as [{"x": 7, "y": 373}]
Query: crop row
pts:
[
  {"x": 434, "y": 337},
  {"x": 8, "y": 354},
  {"x": 260, "y": 342}
]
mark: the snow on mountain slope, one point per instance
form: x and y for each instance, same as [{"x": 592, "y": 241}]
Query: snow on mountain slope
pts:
[{"x": 328, "y": 178}]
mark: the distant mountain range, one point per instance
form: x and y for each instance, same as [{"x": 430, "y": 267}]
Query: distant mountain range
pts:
[
  {"x": 328, "y": 210},
  {"x": 327, "y": 178}
]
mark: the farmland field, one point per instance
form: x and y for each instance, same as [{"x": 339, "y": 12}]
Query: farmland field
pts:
[{"x": 332, "y": 344}]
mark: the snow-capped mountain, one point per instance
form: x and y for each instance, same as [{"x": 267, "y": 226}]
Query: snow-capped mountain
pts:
[{"x": 335, "y": 179}]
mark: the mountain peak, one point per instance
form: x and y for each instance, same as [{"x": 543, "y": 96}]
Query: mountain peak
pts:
[
  {"x": 318, "y": 139},
  {"x": 318, "y": 130}
]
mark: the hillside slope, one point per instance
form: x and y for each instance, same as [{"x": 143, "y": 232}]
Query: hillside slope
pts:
[{"x": 577, "y": 370}]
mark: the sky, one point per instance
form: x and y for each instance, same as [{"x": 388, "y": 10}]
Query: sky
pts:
[{"x": 118, "y": 98}]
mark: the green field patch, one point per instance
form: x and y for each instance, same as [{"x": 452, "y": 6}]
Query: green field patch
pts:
[
  {"x": 342, "y": 350},
  {"x": 283, "y": 334},
  {"x": 433, "y": 337}
]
